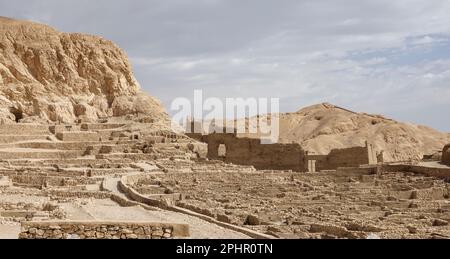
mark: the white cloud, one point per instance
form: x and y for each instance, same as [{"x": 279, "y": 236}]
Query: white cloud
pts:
[{"x": 379, "y": 56}]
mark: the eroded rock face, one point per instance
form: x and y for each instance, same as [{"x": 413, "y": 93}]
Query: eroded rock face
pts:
[
  {"x": 50, "y": 76},
  {"x": 446, "y": 155}
]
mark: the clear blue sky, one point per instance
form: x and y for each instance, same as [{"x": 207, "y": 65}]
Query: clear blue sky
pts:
[{"x": 386, "y": 57}]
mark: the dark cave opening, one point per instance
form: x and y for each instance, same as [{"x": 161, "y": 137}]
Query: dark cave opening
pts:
[{"x": 17, "y": 113}]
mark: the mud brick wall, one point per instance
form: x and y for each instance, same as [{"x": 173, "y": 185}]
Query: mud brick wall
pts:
[
  {"x": 81, "y": 194},
  {"x": 247, "y": 151},
  {"x": 41, "y": 180},
  {"x": 347, "y": 157},
  {"x": 250, "y": 151},
  {"x": 156, "y": 200},
  {"x": 102, "y": 230},
  {"x": 446, "y": 155},
  {"x": 78, "y": 136}
]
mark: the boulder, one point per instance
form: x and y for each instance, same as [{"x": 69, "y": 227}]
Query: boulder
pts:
[{"x": 252, "y": 220}]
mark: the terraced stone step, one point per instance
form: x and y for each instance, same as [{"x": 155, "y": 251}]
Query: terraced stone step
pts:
[
  {"x": 65, "y": 163},
  {"x": 78, "y": 145},
  {"x": 63, "y": 128},
  {"x": 78, "y": 136},
  {"x": 24, "y": 129},
  {"x": 67, "y": 172},
  {"x": 100, "y": 126},
  {"x": 93, "y": 172},
  {"x": 50, "y": 180},
  {"x": 131, "y": 156},
  {"x": 107, "y": 148},
  {"x": 9, "y": 139},
  {"x": 28, "y": 153},
  {"x": 47, "y": 171}
]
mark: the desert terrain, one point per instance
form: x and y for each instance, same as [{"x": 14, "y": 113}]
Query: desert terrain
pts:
[{"x": 86, "y": 154}]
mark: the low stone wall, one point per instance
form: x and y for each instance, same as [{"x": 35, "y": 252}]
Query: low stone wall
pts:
[
  {"x": 78, "y": 136},
  {"x": 77, "y": 146},
  {"x": 48, "y": 154},
  {"x": 9, "y": 139},
  {"x": 347, "y": 157},
  {"x": 170, "y": 202},
  {"x": 100, "y": 126},
  {"x": 356, "y": 171},
  {"x": 128, "y": 157},
  {"x": 443, "y": 173},
  {"x": 102, "y": 230},
  {"x": 157, "y": 200},
  {"x": 55, "y": 129},
  {"x": 77, "y": 194},
  {"x": 23, "y": 129},
  {"x": 42, "y": 180}
]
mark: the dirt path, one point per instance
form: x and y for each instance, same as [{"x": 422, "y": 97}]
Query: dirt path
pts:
[{"x": 108, "y": 210}]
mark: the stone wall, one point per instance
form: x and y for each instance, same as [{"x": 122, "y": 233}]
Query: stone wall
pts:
[
  {"x": 347, "y": 157},
  {"x": 102, "y": 230},
  {"x": 250, "y": 151},
  {"x": 55, "y": 129},
  {"x": 156, "y": 200},
  {"x": 23, "y": 129},
  {"x": 247, "y": 151},
  {"x": 172, "y": 202},
  {"x": 5, "y": 182},
  {"x": 443, "y": 173},
  {"x": 78, "y": 136},
  {"x": 446, "y": 155}
]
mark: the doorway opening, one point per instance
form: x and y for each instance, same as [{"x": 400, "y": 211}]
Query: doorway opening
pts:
[{"x": 17, "y": 113}]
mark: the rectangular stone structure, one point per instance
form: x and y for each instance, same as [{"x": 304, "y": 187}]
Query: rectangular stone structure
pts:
[{"x": 446, "y": 155}]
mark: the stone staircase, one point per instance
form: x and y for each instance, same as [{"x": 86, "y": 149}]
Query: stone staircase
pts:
[
  {"x": 22, "y": 133},
  {"x": 78, "y": 155}
]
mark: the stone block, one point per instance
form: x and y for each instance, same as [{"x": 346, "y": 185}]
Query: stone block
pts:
[{"x": 78, "y": 136}]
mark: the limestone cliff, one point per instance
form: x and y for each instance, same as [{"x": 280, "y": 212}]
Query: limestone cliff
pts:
[
  {"x": 49, "y": 76},
  {"x": 446, "y": 155}
]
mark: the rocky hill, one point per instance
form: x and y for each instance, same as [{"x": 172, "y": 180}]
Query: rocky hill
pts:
[
  {"x": 322, "y": 127},
  {"x": 50, "y": 76}
]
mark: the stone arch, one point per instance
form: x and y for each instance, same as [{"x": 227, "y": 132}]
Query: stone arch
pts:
[{"x": 213, "y": 149}]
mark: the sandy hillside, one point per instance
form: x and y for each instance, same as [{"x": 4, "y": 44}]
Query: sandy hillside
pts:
[{"x": 322, "y": 127}]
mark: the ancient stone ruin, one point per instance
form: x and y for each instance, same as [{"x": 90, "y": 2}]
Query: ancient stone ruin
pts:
[
  {"x": 230, "y": 148},
  {"x": 52, "y": 77},
  {"x": 446, "y": 155},
  {"x": 85, "y": 154},
  {"x": 247, "y": 151}
]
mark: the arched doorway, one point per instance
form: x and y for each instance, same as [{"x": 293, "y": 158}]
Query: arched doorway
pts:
[{"x": 222, "y": 151}]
